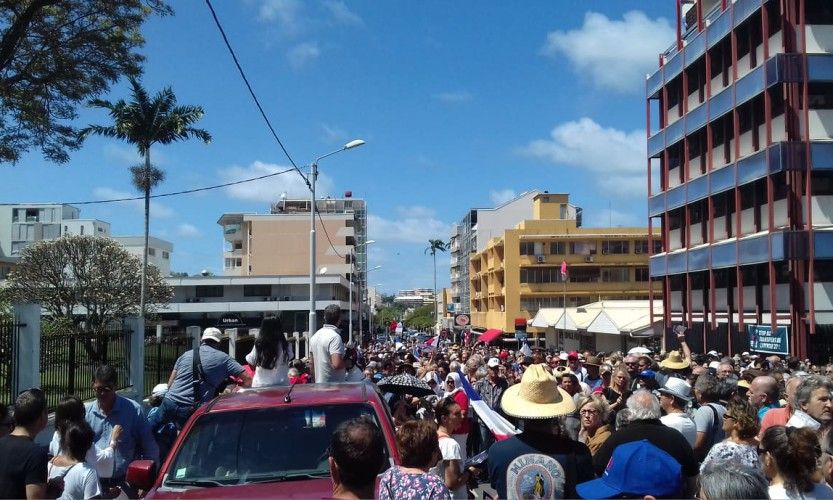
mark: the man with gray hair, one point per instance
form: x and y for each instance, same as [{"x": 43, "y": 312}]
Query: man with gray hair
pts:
[
  {"x": 645, "y": 423},
  {"x": 724, "y": 479},
  {"x": 814, "y": 406}
]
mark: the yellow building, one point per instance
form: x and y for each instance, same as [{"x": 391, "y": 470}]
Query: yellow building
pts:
[{"x": 520, "y": 272}]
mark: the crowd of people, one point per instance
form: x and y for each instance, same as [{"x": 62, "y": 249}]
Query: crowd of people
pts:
[{"x": 582, "y": 424}]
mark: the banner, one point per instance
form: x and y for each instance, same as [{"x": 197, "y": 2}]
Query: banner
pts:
[{"x": 762, "y": 339}]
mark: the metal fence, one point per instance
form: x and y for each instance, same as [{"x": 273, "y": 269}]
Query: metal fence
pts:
[
  {"x": 68, "y": 361},
  {"x": 9, "y": 342},
  {"x": 161, "y": 352}
]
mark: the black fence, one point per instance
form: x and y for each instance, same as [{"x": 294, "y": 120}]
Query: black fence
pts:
[
  {"x": 161, "y": 353},
  {"x": 67, "y": 362},
  {"x": 9, "y": 341}
]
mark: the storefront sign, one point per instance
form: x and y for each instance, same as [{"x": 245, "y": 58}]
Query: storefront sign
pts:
[
  {"x": 230, "y": 320},
  {"x": 762, "y": 339},
  {"x": 462, "y": 319}
]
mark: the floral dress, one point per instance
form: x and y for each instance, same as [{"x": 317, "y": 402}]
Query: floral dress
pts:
[
  {"x": 733, "y": 452},
  {"x": 397, "y": 485}
]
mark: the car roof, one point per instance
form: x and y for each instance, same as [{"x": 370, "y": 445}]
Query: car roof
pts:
[{"x": 302, "y": 395}]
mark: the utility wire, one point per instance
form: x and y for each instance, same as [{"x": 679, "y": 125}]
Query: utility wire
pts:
[
  {"x": 252, "y": 92},
  {"x": 328, "y": 234}
]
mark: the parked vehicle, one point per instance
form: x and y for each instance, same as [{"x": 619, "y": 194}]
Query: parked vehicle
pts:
[{"x": 264, "y": 442}]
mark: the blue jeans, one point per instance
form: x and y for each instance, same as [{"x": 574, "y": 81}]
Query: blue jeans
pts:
[{"x": 170, "y": 411}]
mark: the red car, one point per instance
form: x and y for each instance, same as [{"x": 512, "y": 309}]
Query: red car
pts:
[{"x": 259, "y": 443}]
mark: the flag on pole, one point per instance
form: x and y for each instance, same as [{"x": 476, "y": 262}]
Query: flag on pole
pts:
[
  {"x": 499, "y": 426},
  {"x": 563, "y": 269},
  {"x": 433, "y": 341}
]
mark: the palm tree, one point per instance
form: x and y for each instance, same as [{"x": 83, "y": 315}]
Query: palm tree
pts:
[
  {"x": 142, "y": 122},
  {"x": 433, "y": 247}
]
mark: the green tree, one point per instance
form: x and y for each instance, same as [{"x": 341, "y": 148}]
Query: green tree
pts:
[
  {"x": 143, "y": 122},
  {"x": 435, "y": 246},
  {"x": 57, "y": 54},
  {"x": 420, "y": 318},
  {"x": 386, "y": 315}
]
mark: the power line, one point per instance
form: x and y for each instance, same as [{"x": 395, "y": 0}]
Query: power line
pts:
[
  {"x": 327, "y": 234},
  {"x": 163, "y": 195},
  {"x": 251, "y": 91}
]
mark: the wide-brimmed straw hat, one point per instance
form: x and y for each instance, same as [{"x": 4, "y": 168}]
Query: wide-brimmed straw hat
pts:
[
  {"x": 537, "y": 396},
  {"x": 675, "y": 361}
]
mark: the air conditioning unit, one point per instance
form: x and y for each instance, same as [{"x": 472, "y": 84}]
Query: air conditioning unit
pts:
[
  {"x": 588, "y": 258},
  {"x": 541, "y": 259}
]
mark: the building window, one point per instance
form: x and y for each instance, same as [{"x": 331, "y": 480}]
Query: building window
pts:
[
  {"x": 151, "y": 251},
  {"x": 209, "y": 291},
  {"x": 257, "y": 290},
  {"x": 238, "y": 245},
  {"x": 642, "y": 274},
  {"x": 615, "y": 247},
  {"x": 100, "y": 229},
  {"x": 640, "y": 246},
  {"x": 583, "y": 248},
  {"x": 615, "y": 275},
  {"x": 527, "y": 248},
  {"x": 82, "y": 230},
  {"x": 657, "y": 246},
  {"x": 165, "y": 255},
  {"x": 541, "y": 275},
  {"x": 558, "y": 248}
]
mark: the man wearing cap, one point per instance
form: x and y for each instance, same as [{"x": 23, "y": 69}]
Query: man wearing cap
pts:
[
  {"x": 645, "y": 424},
  {"x": 216, "y": 367},
  {"x": 575, "y": 367},
  {"x": 637, "y": 470},
  {"x": 491, "y": 389},
  {"x": 674, "y": 397},
  {"x": 539, "y": 462}
]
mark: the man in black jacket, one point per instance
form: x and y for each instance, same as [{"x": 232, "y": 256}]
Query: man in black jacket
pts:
[{"x": 645, "y": 424}]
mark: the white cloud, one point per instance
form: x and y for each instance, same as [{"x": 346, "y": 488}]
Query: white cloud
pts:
[
  {"x": 157, "y": 210},
  {"x": 128, "y": 155},
  {"x": 453, "y": 97},
  {"x": 615, "y": 54},
  {"x": 269, "y": 189},
  {"x": 302, "y": 53},
  {"x": 415, "y": 224},
  {"x": 341, "y": 14},
  {"x": 287, "y": 13},
  {"x": 186, "y": 230},
  {"x": 613, "y": 159},
  {"x": 502, "y": 196}
]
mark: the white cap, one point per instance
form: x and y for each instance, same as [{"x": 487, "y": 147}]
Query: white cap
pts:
[
  {"x": 212, "y": 334},
  {"x": 712, "y": 353},
  {"x": 159, "y": 390},
  {"x": 563, "y": 356},
  {"x": 745, "y": 353},
  {"x": 714, "y": 364},
  {"x": 493, "y": 362}
]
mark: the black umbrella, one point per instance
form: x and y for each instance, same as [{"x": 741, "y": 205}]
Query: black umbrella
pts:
[{"x": 405, "y": 384}]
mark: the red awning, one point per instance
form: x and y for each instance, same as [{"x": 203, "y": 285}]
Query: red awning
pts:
[{"x": 490, "y": 335}]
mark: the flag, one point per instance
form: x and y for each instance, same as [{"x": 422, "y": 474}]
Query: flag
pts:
[
  {"x": 433, "y": 341},
  {"x": 563, "y": 269},
  {"x": 526, "y": 350},
  {"x": 499, "y": 426}
]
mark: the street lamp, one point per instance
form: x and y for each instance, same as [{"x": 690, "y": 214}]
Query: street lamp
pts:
[
  {"x": 350, "y": 314},
  {"x": 313, "y": 176}
]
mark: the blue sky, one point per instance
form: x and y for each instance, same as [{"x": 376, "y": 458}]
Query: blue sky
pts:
[{"x": 462, "y": 105}]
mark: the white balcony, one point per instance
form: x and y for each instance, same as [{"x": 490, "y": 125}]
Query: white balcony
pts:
[{"x": 819, "y": 39}]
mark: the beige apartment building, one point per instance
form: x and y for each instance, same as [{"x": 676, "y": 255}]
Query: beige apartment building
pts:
[{"x": 519, "y": 272}]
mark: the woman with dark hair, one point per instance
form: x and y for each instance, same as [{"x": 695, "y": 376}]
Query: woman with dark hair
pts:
[
  {"x": 790, "y": 460},
  {"x": 419, "y": 450},
  {"x": 69, "y": 475},
  {"x": 449, "y": 417},
  {"x": 270, "y": 355},
  {"x": 740, "y": 424},
  {"x": 71, "y": 410}
]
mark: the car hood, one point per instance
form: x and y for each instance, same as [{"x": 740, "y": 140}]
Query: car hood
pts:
[{"x": 312, "y": 488}]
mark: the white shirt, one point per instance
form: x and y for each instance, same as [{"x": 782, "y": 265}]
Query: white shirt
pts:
[
  {"x": 800, "y": 419},
  {"x": 101, "y": 459},
  {"x": 683, "y": 423},
  {"x": 80, "y": 482},
  {"x": 820, "y": 490},
  {"x": 270, "y": 376},
  {"x": 324, "y": 343},
  {"x": 450, "y": 450}
]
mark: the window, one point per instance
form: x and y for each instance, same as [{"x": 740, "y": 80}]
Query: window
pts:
[
  {"x": 558, "y": 248},
  {"x": 100, "y": 229},
  {"x": 583, "y": 248},
  {"x": 541, "y": 275},
  {"x": 238, "y": 245},
  {"x": 527, "y": 248},
  {"x": 615, "y": 247},
  {"x": 165, "y": 255},
  {"x": 257, "y": 290},
  {"x": 209, "y": 291},
  {"x": 640, "y": 246},
  {"x": 642, "y": 274},
  {"x": 615, "y": 274},
  {"x": 82, "y": 230},
  {"x": 151, "y": 251}
]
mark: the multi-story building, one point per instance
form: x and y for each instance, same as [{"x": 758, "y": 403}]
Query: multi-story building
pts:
[
  {"x": 519, "y": 271},
  {"x": 474, "y": 231},
  {"x": 415, "y": 297},
  {"x": 277, "y": 243},
  {"x": 159, "y": 251},
  {"x": 22, "y": 225},
  {"x": 740, "y": 165}
]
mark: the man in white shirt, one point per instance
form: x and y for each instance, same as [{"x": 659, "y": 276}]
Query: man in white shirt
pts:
[
  {"x": 327, "y": 349},
  {"x": 674, "y": 398}
]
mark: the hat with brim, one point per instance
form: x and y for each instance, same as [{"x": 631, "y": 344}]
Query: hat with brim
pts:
[
  {"x": 560, "y": 371},
  {"x": 675, "y": 361},
  {"x": 743, "y": 383},
  {"x": 593, "y": 361},
  {"x": 213, "y": 334},
  {"x": 677, "y": 388},
  {"x": 537, "y": 397}
]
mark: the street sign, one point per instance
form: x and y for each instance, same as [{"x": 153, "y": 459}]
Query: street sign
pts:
[
  {"x": 762, "y": 339},
  {"x": 230, "y": 320},
  {"x": 462, "y": 320}
]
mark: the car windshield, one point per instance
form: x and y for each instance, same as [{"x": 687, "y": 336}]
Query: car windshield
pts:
[{"x": 262, "y": 445}]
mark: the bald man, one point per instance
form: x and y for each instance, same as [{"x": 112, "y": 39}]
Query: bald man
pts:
[
  {"x": 780, "y": 416},
  {"x": 763, "y": 395}
]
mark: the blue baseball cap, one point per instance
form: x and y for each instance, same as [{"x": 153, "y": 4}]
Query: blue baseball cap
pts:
[
  {"x": 636, "y": 468},
  {"x": 647, "y": 374}
]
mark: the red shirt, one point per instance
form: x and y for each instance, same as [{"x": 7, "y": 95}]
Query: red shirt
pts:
[
  {"x": 773, "y": 417},
  {"x": 463, "y": 401}
]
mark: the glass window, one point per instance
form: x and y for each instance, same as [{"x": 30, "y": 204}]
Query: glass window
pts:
[
  {"x": 262, "y": 445},
  {"x": 165, "y": 255},
  {"x": 151, "y": 251},
  {"x": 527, "y": 248},
  {"x": 583, "y": 248},
  {"x": 209, "y": 291},
  {"x": 558, "y": 248},
  {"x": 257, "y": 290},
  {"x": 615, "y": 274},
  {"x": 642, "y": 274},
  {"x": 615, "y": 247},
  {"x": 640, "y": 246}
]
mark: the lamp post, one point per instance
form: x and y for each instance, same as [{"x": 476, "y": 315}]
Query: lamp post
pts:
[
  {"x": 313, "y": 176},
  {"x": 350, "y": 314}
]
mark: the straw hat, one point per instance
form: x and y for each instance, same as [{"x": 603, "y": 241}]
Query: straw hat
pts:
[
  {"x": 675, "y": 361},
  {"x": 592, "y": 361},
  {"x": 537, "y": 396}
]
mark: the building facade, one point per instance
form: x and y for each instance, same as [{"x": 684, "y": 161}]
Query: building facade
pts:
[
  {"x": 519, "y": 272},
  {"x": 415, "y": 297},
  {"x": 740, "y": 166},
  {"x": 473, "y": 232},
  {"x": 22, "y": 225},
  {"x": 159, "y": 251}
]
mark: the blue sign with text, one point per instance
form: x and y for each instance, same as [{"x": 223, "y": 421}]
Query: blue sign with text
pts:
[{"x": 763, "y": 339}]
